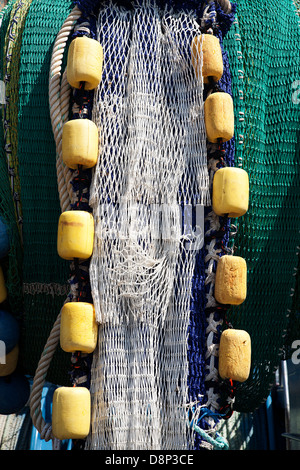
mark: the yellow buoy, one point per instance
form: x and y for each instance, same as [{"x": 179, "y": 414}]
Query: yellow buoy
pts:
[
  {"x": 84, "y": 63},
  {"x": 212, "y": 60},
  {"x": 219, "y": 117},
  {"x": 75, "y": 236},
  {"x": 3, "y": 289},
  {"x": 80, "y": 140},
  {"x": 231, "y": 280},
  {"x": 71, "y": 413},
  {"x": 78, "y": 327},
  {"x": 9, "y": 363},
  {"x": 235, "y": 355},
  {"x": 230, "y": 192}
]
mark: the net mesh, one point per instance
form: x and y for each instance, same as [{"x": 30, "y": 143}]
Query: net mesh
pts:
[
  {"x": 153, "y": 158},
  {"x": 268, "y": 234}
]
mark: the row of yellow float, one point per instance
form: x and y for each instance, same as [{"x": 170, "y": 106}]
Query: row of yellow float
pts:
[
  {"x": 71, "y": 407},
  {"x": 230, "y": 197}
]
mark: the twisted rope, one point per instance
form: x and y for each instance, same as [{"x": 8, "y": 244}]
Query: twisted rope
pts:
[
  {"x": 45, "y": 429},
  {"x": 59, "y": 107}
]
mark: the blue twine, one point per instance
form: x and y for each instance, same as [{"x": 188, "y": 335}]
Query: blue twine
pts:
[{"x": 219, "y": 443}]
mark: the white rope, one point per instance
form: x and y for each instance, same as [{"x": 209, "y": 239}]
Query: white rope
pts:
[
  {"x": 59, "y": 94},
  {"x": 45, "y": 429}
]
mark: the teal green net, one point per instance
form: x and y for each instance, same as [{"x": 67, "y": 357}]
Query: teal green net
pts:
[
  {"x": 268, "y": 235},
  {"x": 293, "y": 333},
  {"x": 45, "y": 274}
]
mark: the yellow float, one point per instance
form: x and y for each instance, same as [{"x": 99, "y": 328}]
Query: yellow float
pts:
[
  {"x": 235, "y": 355},
  {"x": 75, "y": 236},
  {"x": 84, "y": 63},
  {"x": 219, "y": 117},
  {"x": 230, "y": 192},
  {"x": 78, "y": 328},
  {"x": 80, "y": 143},
  {"x": 71, "y": 413},
  {"x": 231, "y": 280},
  {"x": 212, "y": 61}
]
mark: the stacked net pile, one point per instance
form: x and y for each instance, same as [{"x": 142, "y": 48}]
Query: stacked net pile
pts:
[
  {"x": 153, "y": 159},
  {"x": 268, "y": 235}
]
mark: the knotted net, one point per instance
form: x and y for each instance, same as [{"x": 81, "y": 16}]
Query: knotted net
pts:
[
  {"x": 268, "y": 235},
  {"x": 152, "y": 161}
]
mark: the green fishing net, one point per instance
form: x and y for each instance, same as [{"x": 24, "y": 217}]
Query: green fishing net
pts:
[
  {"x": 268, "y": 235},
  {"x": 293, "y": 334},
  {"x": 45, "y": 274}
]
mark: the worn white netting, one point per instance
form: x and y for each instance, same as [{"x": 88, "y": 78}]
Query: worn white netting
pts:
[{"x": 152, "y": 161}]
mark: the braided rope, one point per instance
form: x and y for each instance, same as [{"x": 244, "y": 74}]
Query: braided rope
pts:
[
  {"x": 59, "y": 107},
  {"x": 58, "y": 112},
  {"x": 44, "y": 428}
]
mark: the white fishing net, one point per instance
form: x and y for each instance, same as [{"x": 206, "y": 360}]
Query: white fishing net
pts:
[{"x": 152, "y": 162}]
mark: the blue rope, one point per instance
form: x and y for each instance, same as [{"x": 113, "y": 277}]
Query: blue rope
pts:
[{"x": 218, "y": 442}]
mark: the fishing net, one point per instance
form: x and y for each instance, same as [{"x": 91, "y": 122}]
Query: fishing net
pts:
[
  {"x": 154, "y": 377},
  {"x": 153, "y": 157},
  {"x": 292, "y": 336},
  {"x": 268, "y": 235},
  {"x": 45, "y": 274},
  {"x": 145, "y": 272}
]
